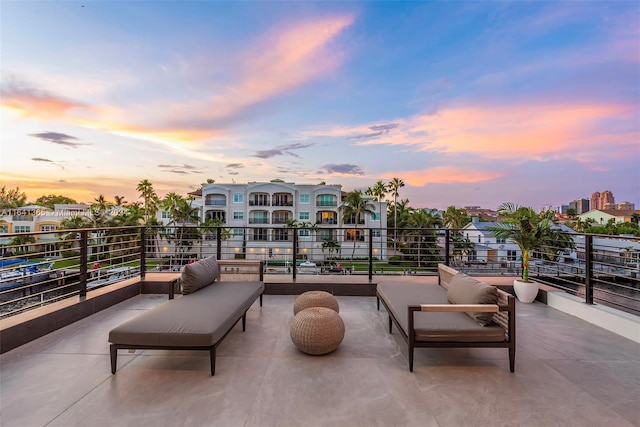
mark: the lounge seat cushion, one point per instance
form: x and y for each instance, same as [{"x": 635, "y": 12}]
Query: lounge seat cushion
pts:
[
  {"x": 199, "y": 274},
  {"x": 198, "y": 320},
  {"x": 434, "y": 326},
  {"x": 464, "y": 289}
]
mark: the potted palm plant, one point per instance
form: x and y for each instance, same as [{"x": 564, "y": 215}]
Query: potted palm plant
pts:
[{"x": 530, "y": 231}]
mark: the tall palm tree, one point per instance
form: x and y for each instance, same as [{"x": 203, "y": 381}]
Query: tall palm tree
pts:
[
  {"x": 354, "y": 206},
  {"x": 149, "y": 197},
  {"x": 119, "y": 200},
  {"x": 379, "y": 191},
  {"x": 422, "y": 224},
  {"x": 394, "y": 187}
]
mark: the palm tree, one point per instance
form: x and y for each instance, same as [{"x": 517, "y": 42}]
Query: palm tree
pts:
[
  {"x": 455, "y": 218},
  {"x": 422, "y": 224},
  {"x": 379, "y": 191},
  {"x": 150, "y": 198},
  {"x": 394, "y": 187},
  {"x": 354, "y": 206},
  {"x": 525, "y": 228},
  {"x": 119, "y": 200},
  {"x": 180, "y": 213}
]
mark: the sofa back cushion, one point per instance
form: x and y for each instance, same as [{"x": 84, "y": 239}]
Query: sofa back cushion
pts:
[
  {"x": 467, "y": 290},
  {"x": 199, "y": 274}
]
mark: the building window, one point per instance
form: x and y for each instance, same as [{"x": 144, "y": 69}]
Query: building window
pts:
[
  {"x": 4, "y": 228},
  {"x": 304, "y": 216},
  {"x": 375, "y": 216},
  {"x": 165, "y": 215},
  {"x": 512, "y": 255},
  {"x": 238, "y": 215},
  {"x": 23, "y": 228},
  {"x": 238, "y": 198},
  {"x": 304, "y": 199},
  {"x": 354, "y": 235},
  {"x": 304, "y": 232},
  {"x": 238, "y": 232},
  {"x": 501, "y": 240},
  {"x": 48, "y": 227},
  {"x": 376, "y": 232}
]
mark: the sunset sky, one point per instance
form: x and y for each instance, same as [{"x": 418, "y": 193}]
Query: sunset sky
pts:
[{"x": 470, "y": 103}]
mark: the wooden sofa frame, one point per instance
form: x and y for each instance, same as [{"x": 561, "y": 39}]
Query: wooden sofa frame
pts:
[{"x": 504, "y": 315}]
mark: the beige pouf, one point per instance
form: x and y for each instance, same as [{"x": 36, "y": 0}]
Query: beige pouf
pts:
[
  {"x": 315, "y": 299},
  {"x": 317, "y": 330}
]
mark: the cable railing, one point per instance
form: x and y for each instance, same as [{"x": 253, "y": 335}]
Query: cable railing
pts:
[{"x": 40, "y": 268}]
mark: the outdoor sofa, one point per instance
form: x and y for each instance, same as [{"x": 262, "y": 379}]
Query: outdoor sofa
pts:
[
  {"x": 198, "y": 320},
  {"x": 460, "y": 312}
]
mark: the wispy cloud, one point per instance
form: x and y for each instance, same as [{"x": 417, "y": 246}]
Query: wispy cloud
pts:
[
  {"x": 32, "y": 102},
  {"x": 43, "y": 160},
  {"x": 59, "y": 138},
  {"x": 376, "y": 130},
  {"x": 180, "y": 169},
  {"x": 342, "y": 169},
  {"x": 283, "y": 150}
]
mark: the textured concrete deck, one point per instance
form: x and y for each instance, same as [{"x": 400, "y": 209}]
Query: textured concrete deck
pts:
[{"x": 568, "y": 373}]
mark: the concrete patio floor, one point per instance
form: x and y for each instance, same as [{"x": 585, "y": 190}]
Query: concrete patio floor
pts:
[{"x": 568, "y": 373}]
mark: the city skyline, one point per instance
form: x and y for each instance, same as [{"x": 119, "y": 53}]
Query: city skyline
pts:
[{"x": 470, "y": 103}]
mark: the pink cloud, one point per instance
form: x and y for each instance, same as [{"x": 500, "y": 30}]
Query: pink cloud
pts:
[
  {"x": 280, "y": 62},
  {"x": 539, "y": 131},
  {"x": 444, "y": 175}
]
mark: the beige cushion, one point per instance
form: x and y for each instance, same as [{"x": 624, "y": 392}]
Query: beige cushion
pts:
[
  {"x": 467, "y": 290},
  {"x": 199, "y": 274}
]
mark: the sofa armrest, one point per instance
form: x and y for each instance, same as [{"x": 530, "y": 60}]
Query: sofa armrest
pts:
[{"x": 478, "y": 308}]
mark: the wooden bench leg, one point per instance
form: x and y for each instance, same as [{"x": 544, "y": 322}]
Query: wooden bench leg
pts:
[
  {"x": 390, "y": 324},
  {"x": 260, "y": 300},
  {"x": 512, "y": 359},
  {"x": 378, "y": 300},
  {"x": 411, "y": 358},
  {"x": 244, "y": 321},
  {"x": 114, "y": 357}
]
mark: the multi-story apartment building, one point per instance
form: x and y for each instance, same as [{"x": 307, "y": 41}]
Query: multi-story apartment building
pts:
[{"x": 260, "y": 215}]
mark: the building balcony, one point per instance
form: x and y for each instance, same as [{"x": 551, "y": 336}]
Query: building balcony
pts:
[
  {"x": 568, "y": 372},
  {"x": 258, "y": 220},
  {"x": 259, "y": 203}
]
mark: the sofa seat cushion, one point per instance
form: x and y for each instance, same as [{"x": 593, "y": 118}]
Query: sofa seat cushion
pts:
[
  {"x": 199, "y": 274},
  {"x": 434, "y": 326},
  {"x": 464, "y": 289},
  {"x": 195, "y": 320}
]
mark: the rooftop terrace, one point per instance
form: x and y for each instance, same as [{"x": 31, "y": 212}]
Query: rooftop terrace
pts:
[{"x": 568, "y": 373}]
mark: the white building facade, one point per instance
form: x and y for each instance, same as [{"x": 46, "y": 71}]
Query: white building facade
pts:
[{"x": 259, "y": 216}]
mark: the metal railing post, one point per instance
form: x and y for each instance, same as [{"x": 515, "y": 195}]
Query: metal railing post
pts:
[
  {"x": 447, "y": 239},
  {"x": 84, "y": 250},
  {"x": 143, "y": 252},
  {"x": 295, "y": 253},
  {"x": 588, "y": 265},
  {"x": 219, "y": 243},
  {"x": 371, "y": 254}
]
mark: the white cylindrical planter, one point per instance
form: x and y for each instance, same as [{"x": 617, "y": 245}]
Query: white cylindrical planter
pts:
[{"x": 525, "y": 291}]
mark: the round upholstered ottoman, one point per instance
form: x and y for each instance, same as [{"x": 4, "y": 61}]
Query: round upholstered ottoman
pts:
[
  {"x": 315, "y": 299},
  {"x": 317, "y": 330}
]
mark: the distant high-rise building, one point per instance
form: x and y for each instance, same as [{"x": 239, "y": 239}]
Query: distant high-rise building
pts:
[
  {"x": 600, "y": 200},
  {"x": 580, "y": 205},
  {"x": 606, "y": 197},
  {"x": 625, "y": 206},
  {"x": 595, "y": 200}
]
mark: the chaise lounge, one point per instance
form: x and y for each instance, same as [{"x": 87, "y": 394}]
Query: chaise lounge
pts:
[
  {"x": 460, "y": 312},
  {"x": 198, "y": 320}
]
